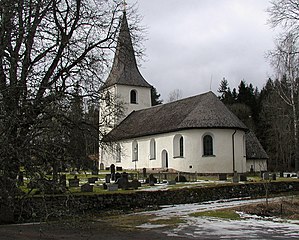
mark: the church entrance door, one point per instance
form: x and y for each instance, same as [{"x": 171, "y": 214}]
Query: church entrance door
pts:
[{"x": 164, "y": 159}]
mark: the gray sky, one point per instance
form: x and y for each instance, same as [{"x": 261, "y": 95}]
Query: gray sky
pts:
[{"x": 193, "y": 44}]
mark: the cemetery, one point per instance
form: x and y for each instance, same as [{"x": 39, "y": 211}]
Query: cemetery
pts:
[
  {"x": 111, "y": 180},
  {"x": 116, "y": 188}
]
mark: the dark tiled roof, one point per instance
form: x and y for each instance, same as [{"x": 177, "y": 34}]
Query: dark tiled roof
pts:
[
  {"x": 254, "y": 149},
  {"x": 124, "y": 70},
  {"x": 201, "y": 111}
]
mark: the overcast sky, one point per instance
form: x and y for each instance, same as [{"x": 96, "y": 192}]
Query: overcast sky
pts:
[{"x": 193, "y": 44}]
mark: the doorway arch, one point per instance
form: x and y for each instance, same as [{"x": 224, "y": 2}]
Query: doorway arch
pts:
[{"x": 164, "y": 159}]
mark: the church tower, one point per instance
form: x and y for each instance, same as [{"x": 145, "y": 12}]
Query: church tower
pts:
[{"x": 125, "y": 84}]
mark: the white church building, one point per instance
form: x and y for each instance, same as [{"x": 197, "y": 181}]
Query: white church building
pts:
[{"x": 196, "y": 134}]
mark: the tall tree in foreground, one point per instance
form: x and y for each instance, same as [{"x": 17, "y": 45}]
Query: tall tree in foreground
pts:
[
  {"x": 285, "y": 59},
  {"x": 46, "y": 47}
]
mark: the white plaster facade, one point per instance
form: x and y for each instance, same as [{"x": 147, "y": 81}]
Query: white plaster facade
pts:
[
  {"x": 121, "y": 95},
  {"x": 192, "y": 159},
  {"x": 143, "y": 97}
]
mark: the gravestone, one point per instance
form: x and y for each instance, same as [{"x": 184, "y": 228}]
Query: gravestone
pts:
[
  {"x": 181, "y": 178},
  {"x": 125, "y": 175},
  {"x": 135, "y": 184},
  {"x": 117, "y": 176},
  {"x": 92, "y": 179},
  {"x": 235, "y": 178},
  {"x": 151, "y": 180},
  {"x": 74, "y": 182},
  {"x": 112, "y": 169},
  {"x": 266, "y": 176},
  {"x": 274, "y": 176},
  {"x": 222, "y": 177},
  {"x": 107, "y": 178},
  {"x": 102, "y": 166},
  {"x": 171, "y": 182},
  {"x": 281, "y": 174},
  {"x": 243, "y": 178},
  {"x": 123, "y": 183},
  {"x": 87, "y": 188},
  {"x": 62, "y": 180},
  {"x": 119, "y": 169},
  {"x": 112, "y": 187},
  {"x": 144, "y": 172}
]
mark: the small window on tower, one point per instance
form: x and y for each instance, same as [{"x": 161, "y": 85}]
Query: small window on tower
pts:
[{"x": 133, "y": 96}]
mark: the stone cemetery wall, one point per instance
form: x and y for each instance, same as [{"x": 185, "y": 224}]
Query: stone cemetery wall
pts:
[{"x": 38, "y": 207}]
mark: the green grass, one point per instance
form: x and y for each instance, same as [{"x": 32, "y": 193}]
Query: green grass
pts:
[
  {"x": 225, "y": 214},
  {"x": 135, "y": 220}
]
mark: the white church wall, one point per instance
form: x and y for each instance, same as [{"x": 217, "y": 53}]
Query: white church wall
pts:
[
  {"x": 143, "y": 97},
  {"x": 192, "y": 160}
]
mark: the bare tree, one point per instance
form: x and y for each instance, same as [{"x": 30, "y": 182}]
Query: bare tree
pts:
[
  {"x": 284, "y": 13},
  {"x": 285, "y": 59},
  {"x": 46, "y": 48},
  {"x": 174, "y": 95}
]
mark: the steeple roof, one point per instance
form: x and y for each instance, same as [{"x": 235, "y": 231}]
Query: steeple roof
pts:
[{"x": 124, "y": 70}]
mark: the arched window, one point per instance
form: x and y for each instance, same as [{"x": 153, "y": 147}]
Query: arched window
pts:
[
  {"x": 133, "y": 96},
  {"x": 134, "y": 151},
  {"x": 118, "y": 152},
  {"x": 152, "y": 149},
  {"x": 207, "y": 145},
  {"x": 178, "y": 146},
  {"x": 181, "y": 146}
]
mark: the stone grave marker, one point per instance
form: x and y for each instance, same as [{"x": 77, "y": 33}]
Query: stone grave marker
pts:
[
  {"x": 222, "y": 177},
  {"x": 123, "y": 183},
  {"x": 117, "y": 176},
  {"x": 243, "y": 178},
  {"x": 87, "y": 188},
  {"x": 266, "y": 176},
  {"x": 119, "y": 169},
  {"x": 107, "y": 178},
  {"x": 171, "y": 182},
  {"x": 74, "y": 182},
  {"x": 62, "y": 180},
  {"x": 92, "y": 179},
  {"x": 135, "y": 184},
  {"x": 235, "y": 178},
  {"x": 112, "y": 187}
]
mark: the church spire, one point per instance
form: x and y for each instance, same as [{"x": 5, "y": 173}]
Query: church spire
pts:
[{"x": 124, "y": 70}]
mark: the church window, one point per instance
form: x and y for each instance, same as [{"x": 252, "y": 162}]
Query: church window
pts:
[
  {"x": 134, "y": 151},
  {"x": 207, "y": 145},
  {"x": 181, "y": 146},
  {"x": 178, "y": 146},
  {"x": 133, "y": 96},
  {"x": 118, "y": 152},
  {"x": 152, "y": 149}
]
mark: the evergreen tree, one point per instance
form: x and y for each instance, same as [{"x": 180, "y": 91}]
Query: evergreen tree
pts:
[
  {"x": 155, "y": 96},
  {"x": 226, "y": 94},
  {"x": 77, "y": 146}
]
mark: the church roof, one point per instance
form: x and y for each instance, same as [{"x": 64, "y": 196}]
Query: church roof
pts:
[
  {"x": 124, "y": 69},
  {"x": 254, "y": 149},
  {"x": 201, "y": 111}
]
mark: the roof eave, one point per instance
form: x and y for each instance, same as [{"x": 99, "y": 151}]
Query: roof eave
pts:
[{"x": 170, "y": 131}]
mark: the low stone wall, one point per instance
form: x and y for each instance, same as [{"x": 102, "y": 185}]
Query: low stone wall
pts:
[{"x": 41, "y": 207}]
